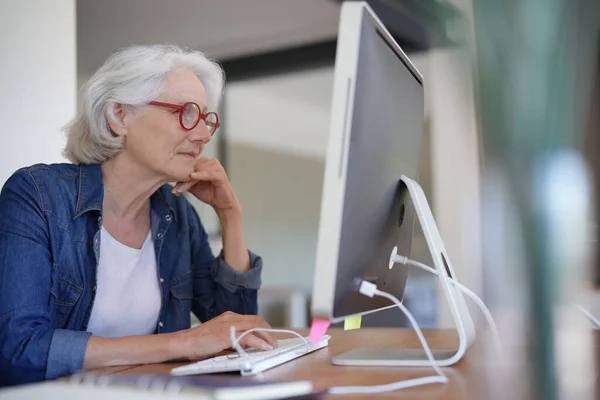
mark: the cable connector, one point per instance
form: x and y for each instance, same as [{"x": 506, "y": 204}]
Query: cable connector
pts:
[
  {"x": 396, "y": 258},
  {"x": 370, "y": 289},
  {"x": 400, "y": 259},
  {"x": 367, "y": 288}
]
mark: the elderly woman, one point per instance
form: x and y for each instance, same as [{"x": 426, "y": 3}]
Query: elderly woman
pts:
[{"x": 101, "y": 261}]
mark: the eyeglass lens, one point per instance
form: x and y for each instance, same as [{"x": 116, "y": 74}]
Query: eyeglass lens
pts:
[{"x": 190, "y": 116}]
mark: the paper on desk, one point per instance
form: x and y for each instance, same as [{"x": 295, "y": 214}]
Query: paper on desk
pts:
[
  {"x": 352, "y": 323},
  {"x": 318, "y": 330}
]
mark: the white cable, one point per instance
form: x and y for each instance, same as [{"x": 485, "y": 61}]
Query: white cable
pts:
[
  {"x": 369, "y": 289},
  {"x": 390, "y": 387},
  {"x": 589, "y": 315},
  {"x": 235, "y": 342},
  {"x": 476, "y": 299},
  {"x": 415, "y": 325}
]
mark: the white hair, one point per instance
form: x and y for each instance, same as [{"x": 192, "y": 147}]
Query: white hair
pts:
[{"x": 132, "y": 77}]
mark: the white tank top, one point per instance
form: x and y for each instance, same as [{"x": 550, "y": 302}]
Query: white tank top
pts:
[{"x": 128, "y": 293}]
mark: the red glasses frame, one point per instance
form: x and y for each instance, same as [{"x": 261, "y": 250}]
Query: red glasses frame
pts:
[{"x": 201, "y": 116}]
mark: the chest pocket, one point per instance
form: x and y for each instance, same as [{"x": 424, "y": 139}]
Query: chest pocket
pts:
[
  {"x": 181, "y": 287},
  {"x": 66, "y": 294}
]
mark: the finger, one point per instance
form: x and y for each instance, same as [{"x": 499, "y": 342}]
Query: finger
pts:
[
  {"x": 267, "y": 337},
  {"x": 204, "y": 175},
  {"x": 183, "y": 187},
  {"x": 208, "y": 176},
  {"x": 212, "y": 166},
  {"x": 243, "y": 325},
  {"x": 246, "y": 324},
  {"x": 251, "y": 340}
]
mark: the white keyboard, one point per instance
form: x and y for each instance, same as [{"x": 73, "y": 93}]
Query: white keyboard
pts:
[{"x": 256, "y": 361}]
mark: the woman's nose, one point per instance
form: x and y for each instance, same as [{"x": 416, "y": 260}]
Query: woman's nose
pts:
[{"x": 200, "y": 133}]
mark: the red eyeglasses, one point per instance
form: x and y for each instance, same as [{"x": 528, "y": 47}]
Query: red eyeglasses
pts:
[{"x": 190, "y": 115}]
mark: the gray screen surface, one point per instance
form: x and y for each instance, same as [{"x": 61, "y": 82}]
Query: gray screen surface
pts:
[{"x": 385, "y": 142}]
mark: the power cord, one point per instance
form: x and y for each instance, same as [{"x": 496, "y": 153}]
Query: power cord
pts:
[
  {"x": 370, "y": 289},
  {"x": 476, "y": 299}
]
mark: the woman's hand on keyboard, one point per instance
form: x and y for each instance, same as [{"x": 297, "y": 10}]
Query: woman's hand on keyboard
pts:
[{"x": 212, "y": 337}]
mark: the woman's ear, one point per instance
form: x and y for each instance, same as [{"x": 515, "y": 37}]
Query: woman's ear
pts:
[{"x": 117, "y": 117}]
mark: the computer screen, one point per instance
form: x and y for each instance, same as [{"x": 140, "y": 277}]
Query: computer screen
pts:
[{"x": 375, "y": 136}]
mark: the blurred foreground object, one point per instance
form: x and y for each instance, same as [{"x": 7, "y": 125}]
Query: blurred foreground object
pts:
[{"x": 534, "y": 61}]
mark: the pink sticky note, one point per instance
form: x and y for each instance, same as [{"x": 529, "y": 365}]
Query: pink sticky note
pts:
[{"x": 318, "y": 330}]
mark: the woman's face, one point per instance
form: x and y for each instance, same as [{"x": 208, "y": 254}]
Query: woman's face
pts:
[{"x": 155, "y": 138}]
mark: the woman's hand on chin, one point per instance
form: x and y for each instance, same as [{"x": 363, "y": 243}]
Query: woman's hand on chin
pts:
[{"x": 210, "y": 184}]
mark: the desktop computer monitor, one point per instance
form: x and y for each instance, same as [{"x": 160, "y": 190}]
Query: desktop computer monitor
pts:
[{"x": 375, "y": 137}]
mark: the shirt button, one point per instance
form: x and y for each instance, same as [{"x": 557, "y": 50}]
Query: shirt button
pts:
[
  {"x": 161, "y": 280},
  {"x": 160, "y": 324},
  {"x": 159, "y": 235},
  {"x": 168, "y": 217}
]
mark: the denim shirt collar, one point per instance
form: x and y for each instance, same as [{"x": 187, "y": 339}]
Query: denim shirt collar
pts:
[{"x": 90, "y": 193}]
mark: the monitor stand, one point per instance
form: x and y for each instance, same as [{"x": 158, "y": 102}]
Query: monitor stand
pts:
[{"x": 460, "y": 313}]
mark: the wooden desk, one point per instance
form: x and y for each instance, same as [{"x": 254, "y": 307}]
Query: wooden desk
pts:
[
  {"x": 468, "y": 378},
  {"x": 317, "y": 367}
]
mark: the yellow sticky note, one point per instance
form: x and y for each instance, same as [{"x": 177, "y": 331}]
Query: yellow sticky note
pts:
[{"x": 352, "y": 323}]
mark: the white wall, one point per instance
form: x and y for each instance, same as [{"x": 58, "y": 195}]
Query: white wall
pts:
[
  {"x": 285, "y": 112},
  {"x": 38, "y": 80},
  {"x": 456, "y": 163},
  {"x": 455, "y": 168},
  {"x": 277, "y": 129}
]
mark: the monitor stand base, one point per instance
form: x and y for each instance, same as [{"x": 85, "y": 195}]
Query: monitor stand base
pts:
[{"x": 404, "y": 357}]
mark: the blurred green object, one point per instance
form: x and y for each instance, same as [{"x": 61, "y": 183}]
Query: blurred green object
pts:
[{"x": 531, "y": 56}]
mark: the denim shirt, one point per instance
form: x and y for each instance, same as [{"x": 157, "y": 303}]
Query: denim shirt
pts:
[{"x": 50, "y": 219}]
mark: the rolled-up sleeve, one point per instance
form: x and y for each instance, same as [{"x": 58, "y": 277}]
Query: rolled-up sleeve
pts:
[
  {"x": 231, "y": 280},
  {"x": 67, "y": 351},
  {"x": 217, "y": 286}
]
